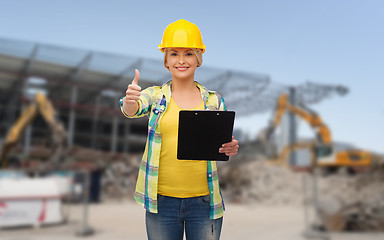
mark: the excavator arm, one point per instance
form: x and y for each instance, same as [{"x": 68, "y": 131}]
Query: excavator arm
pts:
[
  {"x": 314, "y": 120},
  {"x": 59, "y": 134},
  {"x": 323, "y": 145},
  {"x": 43, "y": 106},
  {"x": 16, "y": 131}
]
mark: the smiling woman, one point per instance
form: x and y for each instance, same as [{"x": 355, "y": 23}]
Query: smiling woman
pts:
[
  {"x": 181, "y": 62},
  {"x": 198, "y": 53},
  {"x": 178, "y": 195}
]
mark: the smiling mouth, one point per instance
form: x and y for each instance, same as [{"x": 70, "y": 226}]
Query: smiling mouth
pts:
[{"x": 181, "y": 68}]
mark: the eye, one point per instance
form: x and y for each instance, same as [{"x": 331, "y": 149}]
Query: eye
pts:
[
  {"x": 173, "y": 54},
  {"x": 189, "y": 54}
]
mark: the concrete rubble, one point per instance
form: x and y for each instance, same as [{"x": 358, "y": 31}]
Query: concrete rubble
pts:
[
  {"x": 246, "y": 181},
  {"x": 346, "y": 202},
  {"x": 353, "y": 202}
]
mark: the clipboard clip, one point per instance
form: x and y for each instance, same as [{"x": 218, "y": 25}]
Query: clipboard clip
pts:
[{"x": 217, "y": 114}]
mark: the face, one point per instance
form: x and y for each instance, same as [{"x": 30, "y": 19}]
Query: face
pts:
[{"x": 182, "y": 63}]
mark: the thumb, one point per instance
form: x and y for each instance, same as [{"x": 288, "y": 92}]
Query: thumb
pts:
[{"x": 135, "y": 81}]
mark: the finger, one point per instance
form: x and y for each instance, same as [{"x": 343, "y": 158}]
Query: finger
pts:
[
  {"x": 132, "y": 92},
  {"x": 231, "y": 147},
  {"x": 135, "y": 81},
  {"x": 132, "y": 97},
  {"x": 134, "y": 87},
  {"x": 228, "y": 149},
  {"x": 232, "y": 152},
  {"x": 232, "y": 141},
  {"x": 229, "y": 144},
  {"x": 130, "y": 101}
]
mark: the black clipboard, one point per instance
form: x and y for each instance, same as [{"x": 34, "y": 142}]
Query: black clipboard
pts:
[{"x": 201, "y": 134}]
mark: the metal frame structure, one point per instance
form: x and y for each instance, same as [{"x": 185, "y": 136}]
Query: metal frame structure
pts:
[{"x": 84, "y": 86}]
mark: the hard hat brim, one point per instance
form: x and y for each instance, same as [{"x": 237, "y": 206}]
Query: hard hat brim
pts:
[{"x": 161, "y": 48}]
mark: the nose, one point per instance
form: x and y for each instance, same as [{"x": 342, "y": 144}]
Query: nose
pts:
[{"x": 181, "y": 59}]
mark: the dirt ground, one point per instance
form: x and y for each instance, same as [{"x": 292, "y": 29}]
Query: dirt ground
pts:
[{"x": 125, "y": 220}]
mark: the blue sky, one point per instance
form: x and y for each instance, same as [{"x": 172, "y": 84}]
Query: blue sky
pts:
[{"x": 333, "y": 42}]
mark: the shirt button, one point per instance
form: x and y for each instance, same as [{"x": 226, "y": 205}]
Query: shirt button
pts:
[
  {"x": 212, "y": 192},
  {"x": 209, "y": 175}
]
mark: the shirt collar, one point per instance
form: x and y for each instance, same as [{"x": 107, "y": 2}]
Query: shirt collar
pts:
[{"x": 166, "y": 89}]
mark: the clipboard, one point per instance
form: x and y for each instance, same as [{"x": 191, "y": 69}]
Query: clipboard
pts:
[{"x": 201, "y": 134}]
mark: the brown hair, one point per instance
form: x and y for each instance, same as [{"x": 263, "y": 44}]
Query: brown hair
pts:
[{"x": 198, "y": 53}]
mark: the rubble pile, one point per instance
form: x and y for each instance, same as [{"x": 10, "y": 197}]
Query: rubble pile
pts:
[
  {"x": 245, "y": 181},
  {"x": 119, "y": 170},
  {"x": 119, "y": 178},
  {"x": 346, "y": 202},
  {"x": 352, "y": 203}
]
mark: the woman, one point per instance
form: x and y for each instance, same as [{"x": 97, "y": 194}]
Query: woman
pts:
[{"x": 178, "y": 195}]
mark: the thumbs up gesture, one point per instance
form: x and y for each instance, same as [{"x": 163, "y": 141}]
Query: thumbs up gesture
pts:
[
  {"x": 132, "y": 94},
  {"x": 134, "y": 90}
]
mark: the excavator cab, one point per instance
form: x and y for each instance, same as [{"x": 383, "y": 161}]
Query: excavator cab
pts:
[{"x": 324, "y": 150}]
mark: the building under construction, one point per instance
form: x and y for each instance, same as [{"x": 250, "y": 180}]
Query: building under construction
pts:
[{"x": 84, "y": 87}]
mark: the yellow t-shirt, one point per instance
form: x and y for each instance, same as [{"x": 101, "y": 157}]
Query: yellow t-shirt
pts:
[{"x": 179, "y": 178}]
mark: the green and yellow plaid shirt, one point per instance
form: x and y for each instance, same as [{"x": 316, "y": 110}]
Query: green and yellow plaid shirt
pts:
[{"x": 153, "y": 103}]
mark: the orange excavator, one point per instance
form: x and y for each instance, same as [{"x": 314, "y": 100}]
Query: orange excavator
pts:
[
  {"x": 43, "y": 106},
  {"x": 322, "y": 151}
]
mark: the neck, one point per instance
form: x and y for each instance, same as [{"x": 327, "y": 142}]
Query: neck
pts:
[{"x": 183, "y": 85}]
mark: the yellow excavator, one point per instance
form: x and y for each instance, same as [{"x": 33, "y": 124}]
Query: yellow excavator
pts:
[
  {"x": 321, "y": 149},
  {"x": 323, "y": 159},
  {"x": 43, "y": 106}
]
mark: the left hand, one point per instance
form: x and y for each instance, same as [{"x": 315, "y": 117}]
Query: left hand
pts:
[{"x": 230, "y": 148}]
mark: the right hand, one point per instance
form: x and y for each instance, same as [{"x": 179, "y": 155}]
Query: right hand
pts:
[{"x": 133, "y": 91}]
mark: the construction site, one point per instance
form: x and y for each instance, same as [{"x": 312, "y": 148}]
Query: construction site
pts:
[{"x": 70, "y": 158}]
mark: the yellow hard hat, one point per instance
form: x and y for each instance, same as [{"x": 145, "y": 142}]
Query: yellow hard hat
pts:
[{"x": 182, "y": 34}]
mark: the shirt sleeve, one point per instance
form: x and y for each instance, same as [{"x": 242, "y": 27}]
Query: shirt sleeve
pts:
[{"x": 145, "y": 104}]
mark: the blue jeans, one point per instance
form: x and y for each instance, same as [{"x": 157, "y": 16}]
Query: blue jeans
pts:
[{"x": 176, "y": 214}]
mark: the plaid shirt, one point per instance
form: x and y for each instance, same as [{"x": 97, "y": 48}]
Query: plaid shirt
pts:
[{"x": 153, "y": 103}]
